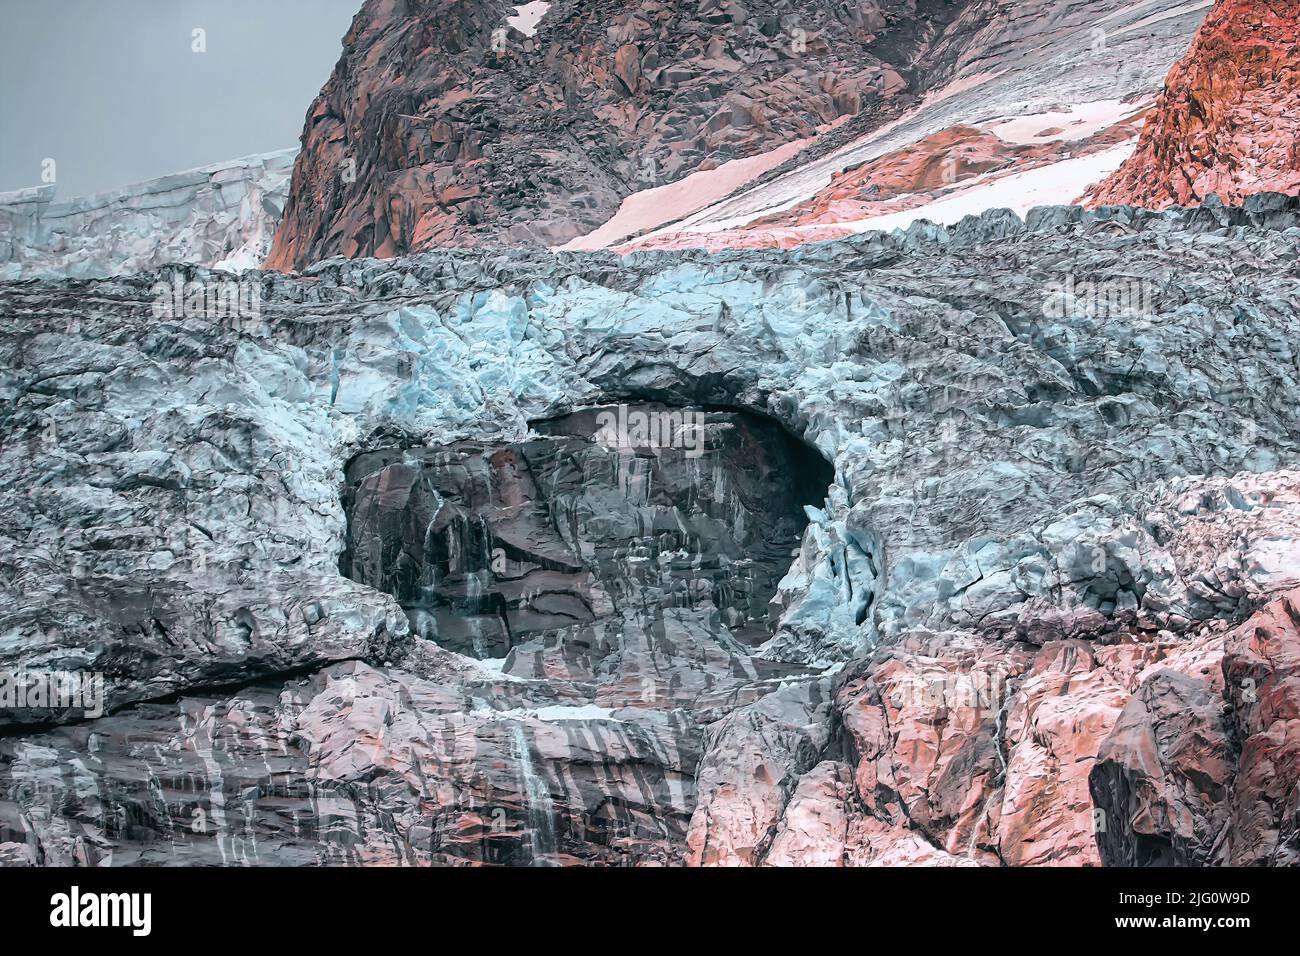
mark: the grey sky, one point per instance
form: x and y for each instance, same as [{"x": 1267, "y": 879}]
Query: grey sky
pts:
[{"x": 111, "y": 90}]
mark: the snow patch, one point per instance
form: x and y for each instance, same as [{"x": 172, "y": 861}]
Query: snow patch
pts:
[
  {"x": 1058, "y": 184},
  {"x": 555, "y": 712},
  {"x": 651, "y": 208},
  {"x": 1070, "y": 124},
  {"x": 494, "y": 667},
  {"x": 802, "y": 184},
  {"x": 527, "y": 16},
  {"x": 954, "y": 87}
]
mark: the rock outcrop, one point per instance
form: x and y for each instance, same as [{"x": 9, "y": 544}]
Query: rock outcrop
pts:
[
  {"x": 486, "y": 547},
  {"x": 222, "y": 216},
  {"x": 443, "y": 125},
  {"x": 1228, "y": 122},
  {"x": 1018, "y": 105},
  {"x": 1044, "y": 567},
  {"x": 1162, "y": 777},
  {"x": 1260, "y": 673},
  {"x": 1201, "y": 768}
]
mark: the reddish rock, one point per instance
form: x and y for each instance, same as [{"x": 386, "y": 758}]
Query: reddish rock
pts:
[
  {"x": 756, "y": 757},
  {"x": 814, "y": 829},
  {"x": 872, "y": 843},
  {"x": 627, "y": 67},
  {"x": 924, "y": 721},
  {"x": 1203, "y": 767},
  {"x": 1063, "y": 709},
  {"x": 916, "y": 172},
  {"x": 1161, "y": 777},
  {"x": 441, "y": 127},
  {"x": 1228, "y": 122},
  {"x": 1261, "y": 670},
  {"x": 980, "y": 751}
]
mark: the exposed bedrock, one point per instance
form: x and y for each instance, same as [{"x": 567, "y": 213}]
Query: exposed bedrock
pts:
[
  {"x": 1204, "y": 768},
  {"x": 1161, "y": 777},
  {"x": 1062, "y": 481},
  {"x": 445, "y": 126},
  {"x": 1227, "y": 124},
  {"x": 618, "y": 513},
  {"x": 451, "y": 124}
]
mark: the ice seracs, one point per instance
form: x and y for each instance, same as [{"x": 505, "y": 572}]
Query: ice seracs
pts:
[{"x": 222, "y": 216}]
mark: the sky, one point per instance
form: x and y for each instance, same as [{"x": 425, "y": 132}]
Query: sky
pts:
[{"x": 114, "y": 93}]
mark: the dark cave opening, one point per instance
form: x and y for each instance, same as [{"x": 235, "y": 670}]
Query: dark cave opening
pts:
[{"x": 611, "y": 512}]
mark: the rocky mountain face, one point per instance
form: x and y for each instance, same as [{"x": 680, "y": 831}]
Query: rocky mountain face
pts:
[
  {"x": 1021, "y": 105},
  {"x": 713, "y": 125},
  {"x": 223, "y": 216},
  {"x": 445, "y": 125},
  {"x": 1228, "y": 121},
  {"x": 975, "y": 545}
]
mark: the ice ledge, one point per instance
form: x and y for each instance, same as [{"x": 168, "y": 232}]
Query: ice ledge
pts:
[{"x": 223, "y": 215}]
